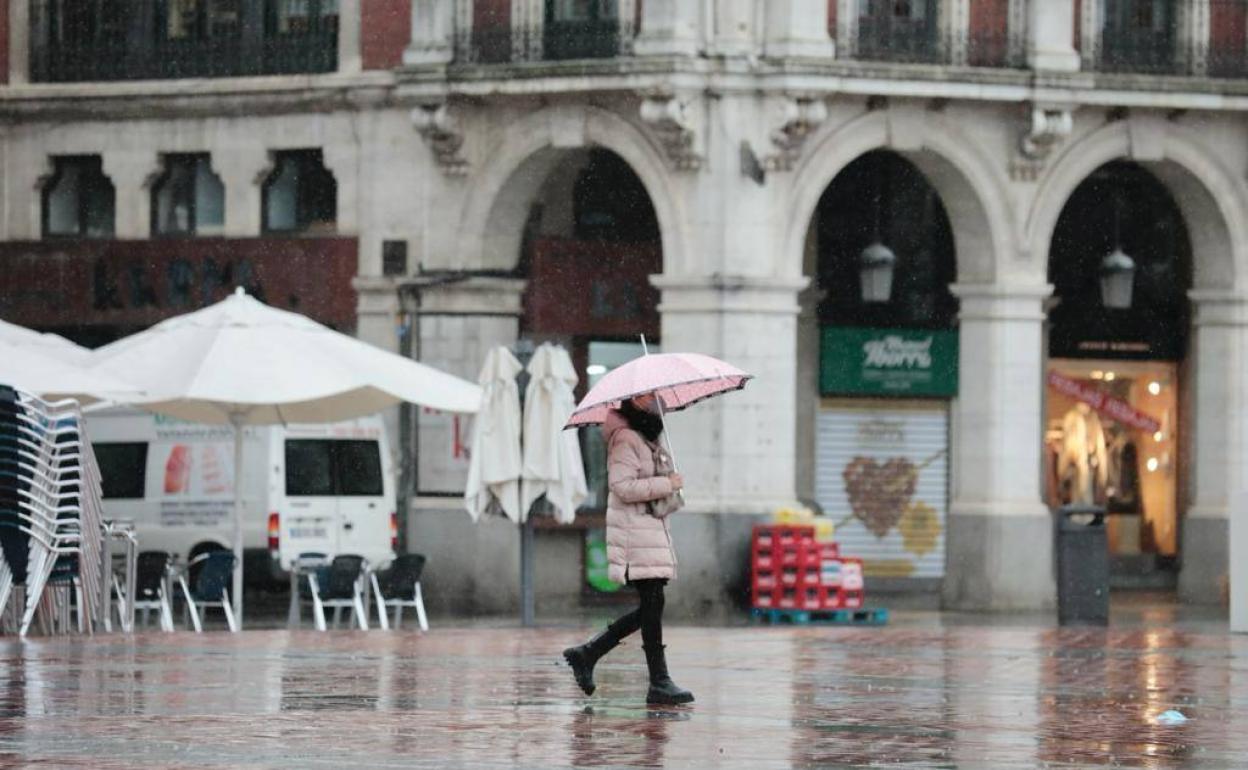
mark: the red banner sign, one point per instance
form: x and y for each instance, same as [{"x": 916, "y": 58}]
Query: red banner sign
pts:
[{"x": 1107, "y": 405}]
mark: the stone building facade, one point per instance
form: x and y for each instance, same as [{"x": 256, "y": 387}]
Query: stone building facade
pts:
[{"x": 459, "y": 134}]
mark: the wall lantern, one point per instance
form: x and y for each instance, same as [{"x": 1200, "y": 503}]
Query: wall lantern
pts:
[
  {"x": 875, "y": 271},
  {"x": 1117, "y": 280}
]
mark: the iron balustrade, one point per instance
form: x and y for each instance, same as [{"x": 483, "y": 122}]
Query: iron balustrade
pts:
[
  {"x": 552, "y": 41},
  {"x": 109, "y": 40},
  {"x": 886, "y": 35},
  {"x": 1139, "y": 36}
]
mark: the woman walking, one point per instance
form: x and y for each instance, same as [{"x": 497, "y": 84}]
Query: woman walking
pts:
[{"x": 643, "y": 493}]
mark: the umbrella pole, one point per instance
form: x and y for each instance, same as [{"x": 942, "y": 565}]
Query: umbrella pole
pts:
[
  {"x": 526, "y": 572},
  {"x": 667, "y": 439},
  {"x": 236, "y": 419}
]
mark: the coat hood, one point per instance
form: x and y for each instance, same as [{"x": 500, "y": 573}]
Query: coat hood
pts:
[{"x": 614, "y": 423}]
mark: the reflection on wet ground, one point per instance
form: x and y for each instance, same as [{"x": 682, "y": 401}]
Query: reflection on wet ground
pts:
[{"x": 915, "y": 696}]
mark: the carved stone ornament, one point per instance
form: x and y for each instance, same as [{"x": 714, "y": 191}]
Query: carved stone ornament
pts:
[
  {"x": 441, "y": 131},
  {"x": 800, "y": 117},
  {"x": 673, "y": 123},
  {"x": 1050, "y": 126}
]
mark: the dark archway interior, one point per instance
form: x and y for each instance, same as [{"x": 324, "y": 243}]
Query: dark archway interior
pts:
[
  {"x": 882, "y": 196},
  {"x": 1121, "y": 205}
]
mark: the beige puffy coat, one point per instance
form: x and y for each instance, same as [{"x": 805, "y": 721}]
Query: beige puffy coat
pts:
[{"x": 639, "y": 544}]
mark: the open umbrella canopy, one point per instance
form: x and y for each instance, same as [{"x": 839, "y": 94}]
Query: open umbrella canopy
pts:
[
  {"x": 241, "y": 357},
  {"x": 33, "y": 369},
  {"x": 678, "y": 379},
  {"x": 244, "y": 363},
  {"x": 51, "y": 345}
]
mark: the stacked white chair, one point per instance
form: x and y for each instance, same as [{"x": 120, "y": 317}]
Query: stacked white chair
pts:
[{"x": 51, "y": 522}]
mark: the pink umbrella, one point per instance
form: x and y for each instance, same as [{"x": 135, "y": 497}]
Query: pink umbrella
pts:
[{"x": 678, "y": 379}]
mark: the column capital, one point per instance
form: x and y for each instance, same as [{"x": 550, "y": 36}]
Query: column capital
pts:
[
  {"x": 1217, "y": 307},
  {"x": 729, "y": 293},
  {"x": 1002, "y": 302}
]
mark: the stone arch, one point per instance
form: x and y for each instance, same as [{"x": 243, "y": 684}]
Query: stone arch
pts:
[
  {"x": 1210, "y": 198},
  {"x": 494, "y": 214},
  {"x": 975, "y": 198}
]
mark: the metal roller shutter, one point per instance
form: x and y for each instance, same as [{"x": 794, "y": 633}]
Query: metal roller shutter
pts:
[{"x": 882, "y": 474}]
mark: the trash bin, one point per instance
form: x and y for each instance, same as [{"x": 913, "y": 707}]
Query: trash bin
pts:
[{"x": 1082, "y": 566}]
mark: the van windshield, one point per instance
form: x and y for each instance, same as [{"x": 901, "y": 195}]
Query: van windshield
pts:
[{"x": 333, "y": 467}]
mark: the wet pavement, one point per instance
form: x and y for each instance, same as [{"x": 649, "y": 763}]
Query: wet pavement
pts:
[{"x": 915, "y": 694}]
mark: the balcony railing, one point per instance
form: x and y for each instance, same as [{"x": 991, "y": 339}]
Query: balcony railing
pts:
[
  {"x": 1150, "y": 38},
  {"x": 553, "y": 41},
  {"x": 992, "y": 38},
  {"x": 887, "y": 37},
  {"x": 108, "y": 40}
]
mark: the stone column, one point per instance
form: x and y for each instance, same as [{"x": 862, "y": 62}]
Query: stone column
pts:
[
  {"x": 242, "y": 171},
  {"x": 349, "y": 22},
  {"x": 19, "y": 42},
  {"x": 847, "y": 28},
  {"x": 1000, "y": 534},
  {"x": 456, "y": 325},
  {"x": 132, "y": 173},
  {"x": 798, "y": 28},
  {"x": 1217, "y": 412},
  {"x": 433, "y": 33},
  {"x": 668, "y": 28},
  {"x": 737, "y": 451},
  {"x": 733, "y": 30},
  {"x": 956, "y": 29},
  {"x": 1191, "y": 41},
  {"x": 1051, "y": 34}
]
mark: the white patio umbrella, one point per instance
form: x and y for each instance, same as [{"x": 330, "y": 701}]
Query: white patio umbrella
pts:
[
  {"x": 32, "y": 369},
  {"x": 494, "y": 466},
  {"x": 552, "y": 456},
  {"x": 244, "y": 363},
  {"x": 51, "y": 345}
]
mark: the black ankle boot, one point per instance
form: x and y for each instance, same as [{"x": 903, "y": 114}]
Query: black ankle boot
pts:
[
  {"x": 583, "y": 658},
  {"x": 662, "y": 689}
]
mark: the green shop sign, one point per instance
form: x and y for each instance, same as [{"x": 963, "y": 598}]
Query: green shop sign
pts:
[{"x": 888, "y": 362}]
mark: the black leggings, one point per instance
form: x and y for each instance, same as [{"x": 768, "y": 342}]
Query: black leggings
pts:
[{"x": 648, "y": 616}]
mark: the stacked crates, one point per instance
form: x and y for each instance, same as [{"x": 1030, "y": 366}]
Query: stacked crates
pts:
[{"x": 792, "y": 571}]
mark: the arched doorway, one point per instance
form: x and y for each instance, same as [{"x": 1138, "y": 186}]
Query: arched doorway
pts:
[
  {"x": 591, "y": 242},
  {"x": 1121, "y": 263},
  {"x": 881, "y": 331}
]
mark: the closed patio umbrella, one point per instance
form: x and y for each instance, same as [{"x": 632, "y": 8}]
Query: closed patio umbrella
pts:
[
  {"x": 495, "y": 463},
  {"x": 244, "y": 363},
  {"x": 552, "y": 458}
]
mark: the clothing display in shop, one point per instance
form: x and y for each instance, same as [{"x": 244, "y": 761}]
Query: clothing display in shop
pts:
[
  {"x": 1123, "y": 492},
  {"x": 1090, "y": 462},
  {"x": 1083, "y": 461}
]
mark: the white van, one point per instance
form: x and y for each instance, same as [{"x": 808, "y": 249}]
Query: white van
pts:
[{"x": 306, "y": 488}]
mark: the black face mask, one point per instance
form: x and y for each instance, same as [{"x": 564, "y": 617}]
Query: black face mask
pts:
[{"x": 650, "y": 426}]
